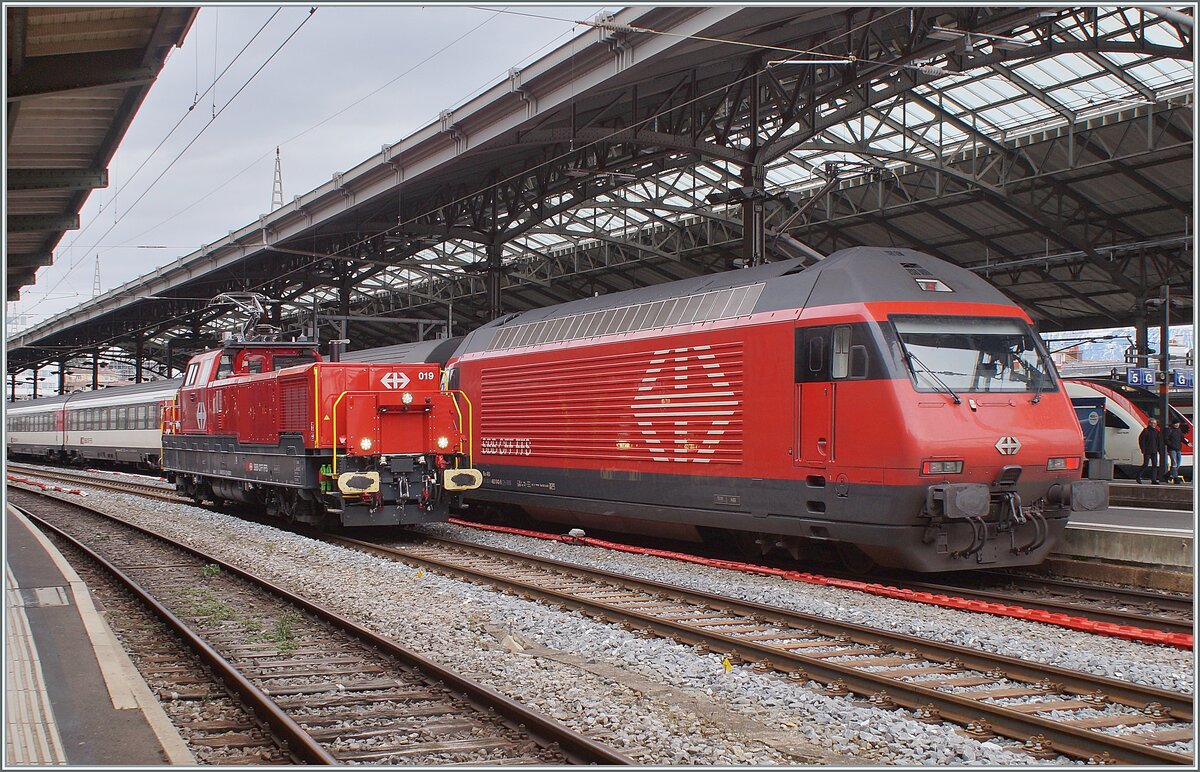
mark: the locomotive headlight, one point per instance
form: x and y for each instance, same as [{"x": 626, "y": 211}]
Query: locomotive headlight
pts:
[
  {"x": 365, "y": 443},
  {"x": 942, "y": 467},
  {"x": 443, "y": 442},
  {"x": 407, "y": 398},
  {"x": 1063, "y": 464}
]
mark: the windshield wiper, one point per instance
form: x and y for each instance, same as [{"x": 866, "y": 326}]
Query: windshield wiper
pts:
[
  {"x": 1041, "y": 386},
  {"x": 912, "y": 358}
]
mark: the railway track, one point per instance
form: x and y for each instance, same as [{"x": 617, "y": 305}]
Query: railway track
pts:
[
  {"x": 1104, "y": 603},
  {"x": 329, "y": 690},
  {"x": 1127, "y": 607},
  {"x": 1052, "y": 710},
  {"x": 113, "y": 481}
]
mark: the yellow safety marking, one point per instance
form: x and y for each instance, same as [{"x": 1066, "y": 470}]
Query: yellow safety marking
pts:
[{"x": 317, "y": 410}]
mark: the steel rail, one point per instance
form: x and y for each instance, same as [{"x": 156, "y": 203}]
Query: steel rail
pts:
[
  {"x": 578, "y": 748},
  {"x": 298, "y": 741},
  {"x": 1074, "y": 741},
  {"x": 1130, "y": 618}
]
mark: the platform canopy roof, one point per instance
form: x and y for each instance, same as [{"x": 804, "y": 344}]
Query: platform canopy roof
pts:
[
  {"x": 1048, "y": 148},
  {"x": 76, "y": 77}
]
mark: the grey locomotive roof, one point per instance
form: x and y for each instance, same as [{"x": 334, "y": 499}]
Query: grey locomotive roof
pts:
[
  {"x": 423, "y": 351},
  {"x": 854, "y": 275}
]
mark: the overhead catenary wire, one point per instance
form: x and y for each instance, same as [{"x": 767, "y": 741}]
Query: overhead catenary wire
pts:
[
  {"x": 200, "y": 133},
  {"x": 338, "y": 113},
  {"x": 195, "y": 101}
]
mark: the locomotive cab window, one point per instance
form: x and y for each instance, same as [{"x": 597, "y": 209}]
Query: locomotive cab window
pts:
[
  {"x": 301, "y": 358},
  {"x": 255, "y": 363},
  {"x": 973, "y": 354},
  {"x": 193, "y": 372},
  {"x": 840, "y": 362},
  {"x": 1114, "y": 421}
]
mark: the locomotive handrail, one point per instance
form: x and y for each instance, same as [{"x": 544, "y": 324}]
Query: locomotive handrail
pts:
[
  {"x": 317, "y": 412},
  {"x": 457, "y": 409},
  {"x": 334, "y": 441},
  {"x": 470, "y": 432}
]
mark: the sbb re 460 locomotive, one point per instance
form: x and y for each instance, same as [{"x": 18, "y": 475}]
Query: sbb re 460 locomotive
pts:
[
  {"x": 270, "y": 424},
  {"x": 882, "y": 400}
]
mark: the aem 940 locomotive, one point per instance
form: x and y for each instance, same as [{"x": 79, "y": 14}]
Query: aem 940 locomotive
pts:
[
  {"x": 269, "y": 423},
  {"x": 884, "y": 400}
]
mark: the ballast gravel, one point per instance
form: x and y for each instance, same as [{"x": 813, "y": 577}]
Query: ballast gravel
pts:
[{"x": 656, "y": 701}]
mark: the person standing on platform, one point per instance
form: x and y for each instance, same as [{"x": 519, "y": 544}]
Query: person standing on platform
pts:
[
  {"x": 1173, "y": 440},
  {"x": 1150, "y": 441}
]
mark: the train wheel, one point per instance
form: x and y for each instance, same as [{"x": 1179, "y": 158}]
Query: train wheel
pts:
[
  {"x": 855, "y": 560},
  {"x": 273, "y": 504}
]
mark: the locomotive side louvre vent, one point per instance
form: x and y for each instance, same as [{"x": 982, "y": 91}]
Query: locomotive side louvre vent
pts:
[
  {"x": 689, "y": 309},
  {"x": 294, "y": 405}
]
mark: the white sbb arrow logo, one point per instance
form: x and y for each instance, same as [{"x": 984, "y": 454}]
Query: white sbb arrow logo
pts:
[
  {"x": 1008, "y": 446},
  {"x": 201, "y": 416},
  {"x": 394, "y": 381}
]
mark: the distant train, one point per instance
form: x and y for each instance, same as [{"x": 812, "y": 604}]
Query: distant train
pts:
[
  {"x": 883, "y": 400},
  {"x": 1127, "y": 410},
  {"x": 121, "y": 425}
]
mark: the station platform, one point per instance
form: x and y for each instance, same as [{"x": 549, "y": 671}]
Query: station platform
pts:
[
  {"x": 1146, "y": 539},
  {"x": 1127, "y": 493},
  {"x": 73, "y": 697}
]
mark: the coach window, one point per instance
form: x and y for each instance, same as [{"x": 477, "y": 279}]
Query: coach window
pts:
[
  {"x": 141, "y": 417},
  {"x": 122, "y": 418}
]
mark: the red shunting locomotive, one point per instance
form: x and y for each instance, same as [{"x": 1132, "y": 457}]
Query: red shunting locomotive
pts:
[
  {"x": 882, "y": 400},
  {"x": 268, "y": 423}
]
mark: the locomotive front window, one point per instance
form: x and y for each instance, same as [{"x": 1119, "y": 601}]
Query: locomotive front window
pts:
[{"x": 973, "y": 354}]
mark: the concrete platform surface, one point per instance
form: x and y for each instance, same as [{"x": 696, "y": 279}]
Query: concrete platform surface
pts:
[
  {"x": 73, "y": 696},
  {"x": 1127, "y": 493}
]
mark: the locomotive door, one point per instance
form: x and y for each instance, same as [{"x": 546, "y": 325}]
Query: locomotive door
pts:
[
  {"x": 193, "y": 411},
  {"x": 814, "y": 398}
]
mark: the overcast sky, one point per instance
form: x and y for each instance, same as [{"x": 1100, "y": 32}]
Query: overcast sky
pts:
[{"x": 306, "y": 101}]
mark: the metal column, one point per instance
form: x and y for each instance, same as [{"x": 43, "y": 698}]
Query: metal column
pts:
[
  {"x": 95, "y": 369},
  {"x": 1164, "y": 351},
  {"x": 753, "y": 234},
  {"x": 137, "y": 362},
  {"x": 1142, "y": 340},
  {"x": 753, "y": 187},
  {"x": 494, "y": 252}
]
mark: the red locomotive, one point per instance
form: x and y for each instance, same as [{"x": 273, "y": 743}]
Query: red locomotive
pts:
[
  {"x": 882, "y": 400},
  {"x": 269, "y": 423}
]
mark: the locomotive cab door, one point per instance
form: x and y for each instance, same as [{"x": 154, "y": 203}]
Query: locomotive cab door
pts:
[
  {"x": 815, "y": 394},
  {"x": 193, "y": 410}
]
